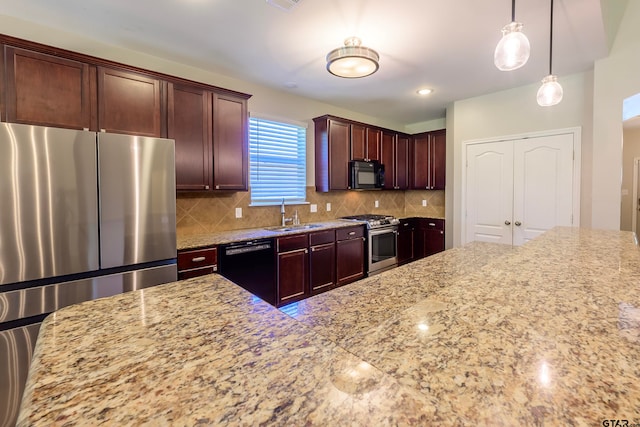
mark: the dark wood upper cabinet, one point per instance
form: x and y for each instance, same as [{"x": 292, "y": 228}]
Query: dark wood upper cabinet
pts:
[
  {"x": 189, "y": 124},
  {"x": 332, "y": 150},
  {"x": 46, "y": 90},
  {"x": 358, "y": 142},
  {"x": 129, "y": 102},
  {"x": 388, "y": 159},
  {"x": 374, "y": 140},
  {"x": 438, "y": 159},
  {"x": 230, "y": 143},
  {"x": 394, "y": 155},
  {"x": 428, "y": 153},
  {"x": 402, "y": 161},
  {"x": 365, "y": 142}
]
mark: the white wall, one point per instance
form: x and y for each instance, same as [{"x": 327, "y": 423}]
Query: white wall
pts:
[
  {"x": 615, "y": 78},
  {"x": 512, "y": 112}
]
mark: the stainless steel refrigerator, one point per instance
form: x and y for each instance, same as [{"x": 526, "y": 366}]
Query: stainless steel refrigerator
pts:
[{"x": 83, "y": 215}]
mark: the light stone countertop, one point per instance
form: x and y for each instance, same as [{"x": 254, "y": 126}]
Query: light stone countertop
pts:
[
  {"x": 544, "y": 334},
  {"x": 222, "y": 237}
]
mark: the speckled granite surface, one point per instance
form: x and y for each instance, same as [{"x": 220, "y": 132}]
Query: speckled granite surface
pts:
[
  {"x": 544, "y": 334},
  {"x": 222, "y": 237}
]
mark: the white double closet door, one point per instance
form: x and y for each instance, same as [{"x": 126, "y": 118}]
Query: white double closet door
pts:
[{"x": 517, "y": 189}]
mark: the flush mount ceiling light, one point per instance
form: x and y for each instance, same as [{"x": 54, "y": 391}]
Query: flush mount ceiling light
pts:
[
  {"x": 352, "y": 61},
  {"x": 425, "y": 91},
  {"x": 513, "y": 49},
  {"x": 550, "y": 93}
]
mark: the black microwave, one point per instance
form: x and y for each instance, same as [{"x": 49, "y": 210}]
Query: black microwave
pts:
[{"x": 366, "y": 175}]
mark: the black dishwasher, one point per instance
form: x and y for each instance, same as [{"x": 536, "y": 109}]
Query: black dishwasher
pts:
[{"x": 251, "y": 264}]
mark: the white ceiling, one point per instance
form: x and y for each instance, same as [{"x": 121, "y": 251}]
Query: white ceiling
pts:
[{"x": 446, "y": 45}]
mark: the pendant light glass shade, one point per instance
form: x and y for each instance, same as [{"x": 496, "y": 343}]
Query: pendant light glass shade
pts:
[
  {"x": 352, "y": 61},
  {"x": 550, "y": 93},
  {"x": 513, "y": 49}
]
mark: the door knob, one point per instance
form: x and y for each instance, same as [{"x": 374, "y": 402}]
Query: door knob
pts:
[
  {"x": 518, "y": 223},
  {"x": 507, "y": 222}
]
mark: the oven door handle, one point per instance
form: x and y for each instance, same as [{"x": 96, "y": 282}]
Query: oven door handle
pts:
[{"x": 380, "y": 231}]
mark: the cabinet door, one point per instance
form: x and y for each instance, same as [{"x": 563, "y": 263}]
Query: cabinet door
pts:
[
  {"x": 405, "y": 241},
  {"x": 349, "y": 261},
  {"x": 129, "y": 103},
  {"x": 230, "y": 143},
  {"x": 402, "y": 162},
  {"x": 322, "y": 267},
  {"x": 434, "y": 241},
  {"x": 189, "y": 124},
  {"x": 387, "y": 158},
  {"x": 46, "y": 90},
  {"x": 292, "y": 275},
  {"x": 374, "y": 139},
  {"x": 358, "y": 142},
  {"x": 420, "y": 167},
  {"x": 338, "y": 155},
  {"x": 438, "y": 159}
]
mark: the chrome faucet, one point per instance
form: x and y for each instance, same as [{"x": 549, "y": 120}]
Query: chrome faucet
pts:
[{"x": 284, "y": 220}]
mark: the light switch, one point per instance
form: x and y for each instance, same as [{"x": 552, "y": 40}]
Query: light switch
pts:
[
  {"x": 238, "y": 212},
  {"x": 328, "y": 207},
  {"x": 424, "y": 203},
  {"x": 313, "y": 208},
  {"x": 376, "y": 204}
]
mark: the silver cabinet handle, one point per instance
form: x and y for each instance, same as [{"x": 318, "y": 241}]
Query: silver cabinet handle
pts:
[
  {"x": 431, "y": 224},
  {"x": 507, "y": 222},
  {"x": 198, "y": 259},
  {"x": 352, "y": 233},
  {"x": 518, "y": 223}
]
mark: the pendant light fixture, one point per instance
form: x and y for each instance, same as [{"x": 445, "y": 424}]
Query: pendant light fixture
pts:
[
  {"x": 550, "y": 93},
  {"x": 513, "y": 49},
  {"x": 352, "y": 61}
]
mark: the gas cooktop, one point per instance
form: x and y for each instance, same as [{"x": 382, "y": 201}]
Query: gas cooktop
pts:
[{"x": 374, "y": 221}]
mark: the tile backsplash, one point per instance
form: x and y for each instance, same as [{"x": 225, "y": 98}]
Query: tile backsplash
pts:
[{"x": 201, "y": 213}]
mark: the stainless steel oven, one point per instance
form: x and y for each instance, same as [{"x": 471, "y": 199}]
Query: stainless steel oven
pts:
[
  {"x": 382, "y": 241},
  {"x": 383, "y": 249}
]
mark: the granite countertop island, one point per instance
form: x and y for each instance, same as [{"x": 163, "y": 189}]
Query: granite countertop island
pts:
[{"x": 544, "y": 334}]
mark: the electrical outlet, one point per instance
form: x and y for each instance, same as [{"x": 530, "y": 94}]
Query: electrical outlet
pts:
[
  {"x": 376, "y": 204},
  {"x": 238, "y": 212},
  {"x": 328, "y": 207},
  {"x": 313, "y": 208},
  {"x": 424, "y": 203}
]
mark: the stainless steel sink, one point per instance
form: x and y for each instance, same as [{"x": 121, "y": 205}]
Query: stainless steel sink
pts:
[{"x": 294, "y": 227}]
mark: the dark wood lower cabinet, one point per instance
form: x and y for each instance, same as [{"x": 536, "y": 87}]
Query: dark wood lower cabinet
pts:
[
  {"x": 322, "y": 261},
  {"x": 406, "y": 238},
  {"x": 292, "y": 273},
  {"x": 429, "y": 237},
  {"x": 349, "y": 255},
  {"x": 197, "y": 262}
]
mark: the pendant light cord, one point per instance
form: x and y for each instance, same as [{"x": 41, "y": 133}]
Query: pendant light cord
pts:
[
  {"x": 551, "y": 39},
  {"x": 513, "y": 10}
]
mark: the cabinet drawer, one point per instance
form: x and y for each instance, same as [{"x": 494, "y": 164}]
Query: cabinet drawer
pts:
[
  {"x": 291, "y": 243},
  {"x": 188, "y": 260},
  {"x": 196, "y": 272},
  {"x": 433, "y": 224},
  {"x": 322, "y": 237},
  {"x": 349, "y": 233}
]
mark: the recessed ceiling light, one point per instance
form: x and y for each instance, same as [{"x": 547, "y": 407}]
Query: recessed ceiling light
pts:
[
  {"x": 424, "y": 91},
  {"x": 291, "y": 85}
]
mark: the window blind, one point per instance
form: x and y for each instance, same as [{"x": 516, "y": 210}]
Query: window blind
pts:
[{"x": 277, "y": 162}]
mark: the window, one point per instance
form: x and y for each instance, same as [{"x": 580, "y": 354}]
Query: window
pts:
[{"x": 277, "y": 161}]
